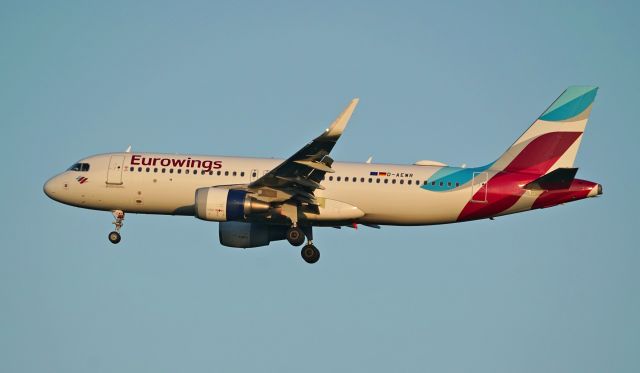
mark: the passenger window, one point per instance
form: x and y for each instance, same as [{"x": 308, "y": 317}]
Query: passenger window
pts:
[
  {"x": 441, "y": 183},
  {"x": 457, "y": 184},
  {"x": 218, "y": 173},
  {"x": 354, "y": 179},
  {"x": 253, "y": 174},
  {"x": 226, "y": 173},
  {"x": 139, "y": 169},
  {"x": 338, "y": 178},
  {"x": 210, "y": 173},
  {"x": 131, "y": 169},
  {"x": 377, "y": 181},
  {"x": 242, "y": 174},
  {"x": 362, "y": 179},
  {"x": 386, "y": 181},
  {"x": 163, "y": 170},
  {"x": 148, "y": 169},
  {"x": 393, "y": 181},
  {"x": 234, "y": 173},
  {"x": 409, "y": 182},
  {"x": 330, "y": 178},
  {"x": 449, "y": 183},
  {"x": 370, "y": 180},
  {"x": 186, "y": 171},
  {"x": 433, "y": 183},
  {"x": 155, "y": 169},
  {"x": 179, "y": 171},
  {"x": 171, "y": 170},
  {"x": 402, "y": 181}
]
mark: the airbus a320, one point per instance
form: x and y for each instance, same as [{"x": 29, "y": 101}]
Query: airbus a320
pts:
[{"x": 260, "y": 200}]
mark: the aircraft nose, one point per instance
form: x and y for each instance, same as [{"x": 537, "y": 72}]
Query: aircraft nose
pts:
[{"x": 49, "y": 188}]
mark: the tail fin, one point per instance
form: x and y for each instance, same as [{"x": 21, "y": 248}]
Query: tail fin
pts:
[{"x": 553, "y": 140}]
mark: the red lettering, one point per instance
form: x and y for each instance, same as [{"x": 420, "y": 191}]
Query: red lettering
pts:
[
  {"x": 217, "y": 164},
  {"x": 178, "y": 162},
  {"x": 135, "y": 159}
]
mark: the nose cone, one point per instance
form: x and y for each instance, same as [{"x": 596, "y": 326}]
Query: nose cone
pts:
[{"x": 50, "y": 188}]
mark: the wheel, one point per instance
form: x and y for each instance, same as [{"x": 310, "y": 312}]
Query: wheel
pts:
[
  {"x": 295, "y": 236},
  {"x": 114, "y": 237},
  {"x": 310, "y": 254}
]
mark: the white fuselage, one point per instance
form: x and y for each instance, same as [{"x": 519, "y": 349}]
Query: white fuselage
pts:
[{"x": 159, "y": 187}]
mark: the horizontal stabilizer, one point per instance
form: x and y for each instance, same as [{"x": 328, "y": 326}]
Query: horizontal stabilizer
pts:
[{"x": 560, "y": 178}]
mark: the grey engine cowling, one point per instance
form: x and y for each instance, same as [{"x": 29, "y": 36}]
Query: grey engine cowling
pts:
[
  {"x": 241, "y": 234},
  {"x": 220, "y": 204}
]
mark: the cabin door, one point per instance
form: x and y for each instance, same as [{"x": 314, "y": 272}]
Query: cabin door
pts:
[{"x": 114, "y": 175}]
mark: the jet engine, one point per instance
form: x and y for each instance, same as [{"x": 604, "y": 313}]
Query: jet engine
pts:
[
  {"x": 241, "y": 234},
  {"x": 219, "y": 204}
]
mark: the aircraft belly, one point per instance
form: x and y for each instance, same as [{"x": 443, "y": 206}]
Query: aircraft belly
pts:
[{"x": 402, "y": 205}]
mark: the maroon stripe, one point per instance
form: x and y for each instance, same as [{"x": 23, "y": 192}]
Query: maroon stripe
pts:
[
  {"x": 579, "y": 189},
  {"x": 542, "y": 152},
  {"x": 502, "y": 193}
]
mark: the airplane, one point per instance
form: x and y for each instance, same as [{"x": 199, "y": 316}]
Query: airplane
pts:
[{"x": 260, "y": 200}]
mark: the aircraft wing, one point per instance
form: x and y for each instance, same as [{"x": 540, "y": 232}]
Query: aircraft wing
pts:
[{"x": 300, "y": 175}]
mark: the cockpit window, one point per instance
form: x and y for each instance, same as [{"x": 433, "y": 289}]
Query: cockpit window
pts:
[{"x": 79, "y": 167}]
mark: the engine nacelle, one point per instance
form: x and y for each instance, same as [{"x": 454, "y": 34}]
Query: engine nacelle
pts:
[
  {"x": 219, "y": 204},
  {"x": 241, "y": 234}
]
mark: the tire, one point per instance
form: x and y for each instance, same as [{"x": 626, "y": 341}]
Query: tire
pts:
[
  {"x": 310, "y": 254},
  {"x": 295, "y": 236},
  {"x": 114, "y": 237}
]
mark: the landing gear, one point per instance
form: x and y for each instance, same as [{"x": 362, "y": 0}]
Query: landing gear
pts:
[
  {"x": 310, "y": 253},
  {"x": 114, "y": 236},
  {"x": 295, "y": 236}
]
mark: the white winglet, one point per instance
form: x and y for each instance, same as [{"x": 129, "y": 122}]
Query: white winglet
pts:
[
  {"x": 338, "y": 126},
  {"x": 369, "y": 160},
  {"x": 128, "y": 149}
]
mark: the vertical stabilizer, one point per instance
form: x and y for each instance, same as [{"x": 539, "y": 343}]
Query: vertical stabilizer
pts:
[{"x": 553, "y": 140}]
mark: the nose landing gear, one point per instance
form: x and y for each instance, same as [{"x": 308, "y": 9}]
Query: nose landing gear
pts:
[{"x": 114, "y": 236}]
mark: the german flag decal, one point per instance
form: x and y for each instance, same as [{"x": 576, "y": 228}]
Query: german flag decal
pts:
[{"x": 82, "y": 179}]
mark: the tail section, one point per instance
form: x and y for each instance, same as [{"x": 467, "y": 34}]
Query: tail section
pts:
[{"x": 553, "y": 140}]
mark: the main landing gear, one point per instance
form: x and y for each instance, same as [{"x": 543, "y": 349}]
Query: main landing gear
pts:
[
  {"x": 310, "y": 253},
  {"x": 114, "y": 236},
  {"x": 296, "y": 237}
]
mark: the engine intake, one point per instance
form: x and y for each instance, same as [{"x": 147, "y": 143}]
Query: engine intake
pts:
[{"x": 219, "y": 204}]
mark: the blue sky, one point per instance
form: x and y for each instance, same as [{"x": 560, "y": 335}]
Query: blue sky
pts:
[{"x": 553, "y": 290}]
